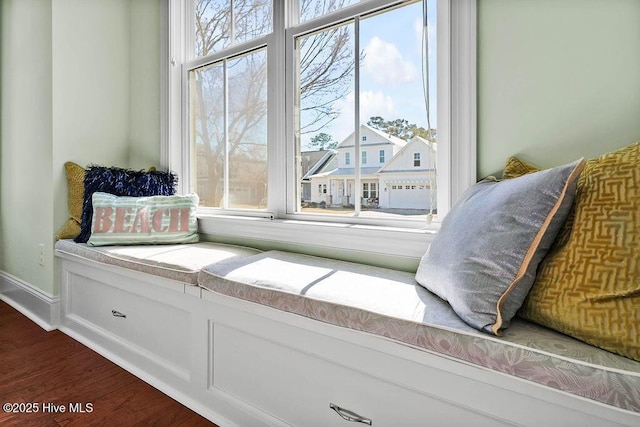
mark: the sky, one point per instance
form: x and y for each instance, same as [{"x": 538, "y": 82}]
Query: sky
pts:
[{"x": 390, "y": 79}]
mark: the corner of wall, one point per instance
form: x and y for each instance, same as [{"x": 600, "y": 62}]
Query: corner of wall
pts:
[{"x": 144, "y": 101}]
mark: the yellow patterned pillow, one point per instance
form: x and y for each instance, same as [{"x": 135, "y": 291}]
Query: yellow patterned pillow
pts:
[
  {"x": 75, "y": 198},
  {"x": 515, "y": 167},
  {"x": 588, "y": 287}
]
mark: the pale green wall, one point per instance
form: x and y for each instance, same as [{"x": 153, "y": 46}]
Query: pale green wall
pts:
[
  {"x": 90, "y": 75},
  {"x": 144, "y": 136},
  {"x": 557, "y": 79},
  {"x": 80, "y": 82},
  {"x": 26, "y": 199}
]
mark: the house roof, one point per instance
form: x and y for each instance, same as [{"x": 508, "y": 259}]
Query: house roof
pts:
[
  {"x": 327, "y": 159},
  {"x": 310, "y": 159},
  {"x": 346, "y": 172},
  {"x": 390, "y": 139},
  {"x": 412, "y": 142}
]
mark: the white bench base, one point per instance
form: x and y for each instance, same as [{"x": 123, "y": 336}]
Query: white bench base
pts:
[{"x": 241, "y": 363}]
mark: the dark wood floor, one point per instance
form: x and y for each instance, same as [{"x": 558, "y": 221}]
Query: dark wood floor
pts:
[{"x": 54, "y": 371}]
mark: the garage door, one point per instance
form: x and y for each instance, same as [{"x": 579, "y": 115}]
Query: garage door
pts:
[{"x": 409, "y": 196}]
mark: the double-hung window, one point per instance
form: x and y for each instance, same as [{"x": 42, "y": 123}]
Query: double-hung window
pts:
[
  {"x": 253, "y": 87},
  {"x": 227, "y": 103}
]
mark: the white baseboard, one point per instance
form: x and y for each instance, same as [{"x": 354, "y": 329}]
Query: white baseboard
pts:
[{"x": 41, "y": 308}]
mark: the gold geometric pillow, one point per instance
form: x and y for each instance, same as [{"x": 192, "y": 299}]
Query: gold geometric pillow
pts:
[
  {"x": 75, "y": 197},
  {"x": 515, "y": 167},
  {"x": 589, "y": 286}
]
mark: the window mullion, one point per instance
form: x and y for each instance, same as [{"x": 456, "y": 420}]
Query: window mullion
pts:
[
  {"x": 456, "y": 156},
  {"x": 293, "y": 12},
  {"x": 291, "y": 133},
  {"x": 225, "y": 119},
  {"x": 277, "y": 149},
  {"x": 358, "y": 155}
]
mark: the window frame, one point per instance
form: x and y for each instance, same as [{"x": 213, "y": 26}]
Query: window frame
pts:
[{"x": 456, "y": 154}]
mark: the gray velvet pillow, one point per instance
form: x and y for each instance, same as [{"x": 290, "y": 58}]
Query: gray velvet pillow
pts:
[{"x": 484, "y": 259}]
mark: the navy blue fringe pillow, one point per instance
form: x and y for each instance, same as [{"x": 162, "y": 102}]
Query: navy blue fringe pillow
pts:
[{"x": 121, "y": 182}]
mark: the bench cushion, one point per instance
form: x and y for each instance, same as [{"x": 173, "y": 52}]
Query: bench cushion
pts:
[
  {"x": 392, "y": 304},
  {"x": 176, "y": 262}
]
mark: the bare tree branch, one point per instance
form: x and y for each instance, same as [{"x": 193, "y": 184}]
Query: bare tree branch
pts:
[{"x": 326, "y": 66}]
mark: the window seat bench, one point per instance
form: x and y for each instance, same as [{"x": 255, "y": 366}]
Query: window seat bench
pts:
[{"x": 246, "y": 337}]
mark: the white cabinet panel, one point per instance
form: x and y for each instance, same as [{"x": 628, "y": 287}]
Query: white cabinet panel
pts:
[
  {"x": 153, "y": 327},
  {"x": 299, "y": 387}
]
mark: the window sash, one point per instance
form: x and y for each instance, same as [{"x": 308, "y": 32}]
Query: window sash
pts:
[
  {"x": 351, "y": 17},
  {"x": 242, "y": 180}
]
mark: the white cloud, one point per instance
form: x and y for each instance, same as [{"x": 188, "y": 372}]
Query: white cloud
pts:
[
  {"x": 384, "y": 63},
  {"x": 371, "y": 104},
  {"x": 376, "y": 104}
]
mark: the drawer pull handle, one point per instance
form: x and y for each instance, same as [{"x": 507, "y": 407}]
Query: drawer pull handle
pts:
[
  {"x": 349, "y": 415},
  {"x": 118, "y": 314}
]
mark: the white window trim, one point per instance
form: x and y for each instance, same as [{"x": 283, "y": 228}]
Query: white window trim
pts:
[{"x": 456, "y": 124}]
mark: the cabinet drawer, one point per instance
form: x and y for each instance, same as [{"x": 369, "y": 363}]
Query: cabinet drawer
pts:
[
  {"x": 301, "y": 389},
  {"x": 147, "y": 326}
]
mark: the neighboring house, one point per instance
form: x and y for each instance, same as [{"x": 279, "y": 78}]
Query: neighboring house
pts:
[
  {"x": 386, "y": 162},
  {"x": 311, "y": 162},
  {"x": 406, "y": 181}
]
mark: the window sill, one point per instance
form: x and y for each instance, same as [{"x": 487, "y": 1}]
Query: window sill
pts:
[{"x": 392, "y": 247}]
